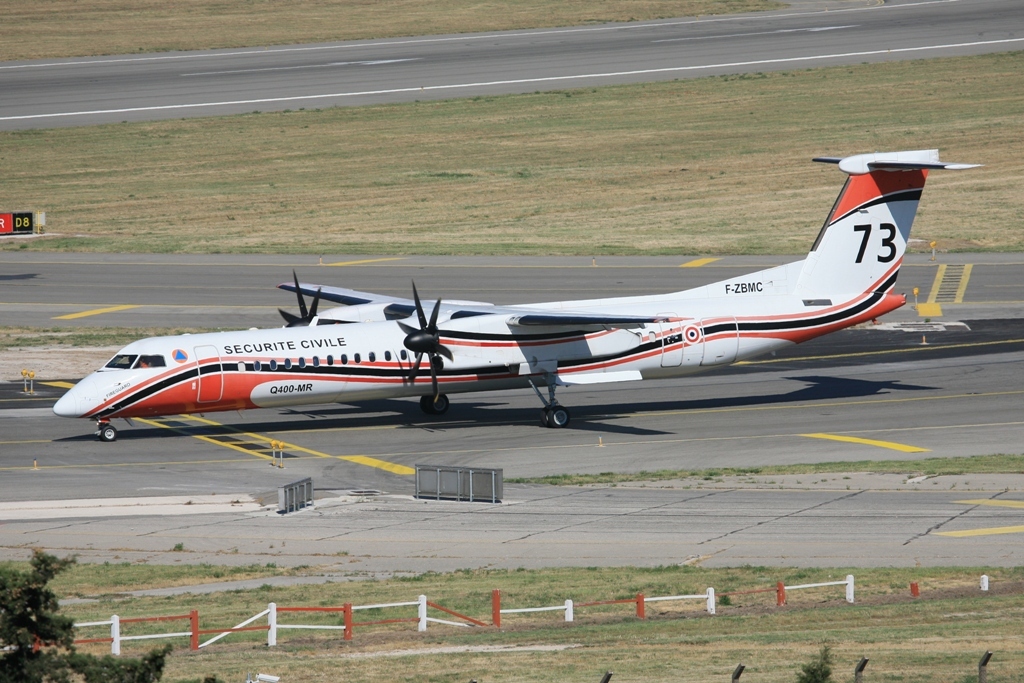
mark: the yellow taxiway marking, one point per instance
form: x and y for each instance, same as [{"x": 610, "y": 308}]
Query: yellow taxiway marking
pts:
[
  {"x": 891, "y": 445},
  {"x": 962, "y": 287},
  {"x": 59, "y": 385},
  {"x": 395, "y": 468},
  {"x": 940, "y": 273},
  {"x": 929, "y": 310},
  {"x": 95, "y": 311},
  {"x": 993, "y": 531},
  {"x": 259, "y": 438},
  {"x": 697, "y": 263},
  {"x": 1017, "y": 504},
  {"x": 369, "y": 260}
]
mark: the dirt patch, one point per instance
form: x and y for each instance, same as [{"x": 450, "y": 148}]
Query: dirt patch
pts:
[{"x": 53, "y": 362}]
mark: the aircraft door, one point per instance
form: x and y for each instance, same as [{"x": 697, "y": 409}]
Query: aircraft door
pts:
[
  {"x": 671, "y": 343},
  {"x": 721, "y": 340},
  {"x": 211, "y": 380}
]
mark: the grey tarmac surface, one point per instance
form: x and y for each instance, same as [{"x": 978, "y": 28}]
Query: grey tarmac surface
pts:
[
  {"x": 960, "y": 394},
  {"x": 111, "y": 89}
]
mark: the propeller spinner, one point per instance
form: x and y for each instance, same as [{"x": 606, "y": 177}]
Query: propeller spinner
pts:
[
  {"x": 425, "y": 341},
  {"x": 306, "y": 316}
]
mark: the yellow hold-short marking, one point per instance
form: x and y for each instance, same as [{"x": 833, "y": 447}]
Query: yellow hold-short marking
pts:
[{"x": 993, "y": 531}]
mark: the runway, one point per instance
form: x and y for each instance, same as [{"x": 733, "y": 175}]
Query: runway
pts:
[
  {"x": 87, "y": 91},
  {"x": 883, "y": 394}
]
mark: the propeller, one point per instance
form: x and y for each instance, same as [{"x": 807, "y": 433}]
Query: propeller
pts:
[
  {"x": 425, "y": 341},
  {"x": 306, "y": 316}
]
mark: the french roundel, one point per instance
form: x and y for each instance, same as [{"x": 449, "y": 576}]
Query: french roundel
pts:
[
  {"x": 692, "y": 334},
  {"x": 179, "y": 355}
]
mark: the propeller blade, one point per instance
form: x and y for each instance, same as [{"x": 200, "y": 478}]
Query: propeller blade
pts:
[
  {"x": 419, "y": 307},
  {"x": 433, "y": 379},
  {"x": 415, "y": 368},
  {"x": 289, "y": 318},
  {"x": 444, "y": 351},
  {"x": 298, "y": 293},
  {"x": 433, "y": 318},
  {"x": 316, "y": 302},
  {"x": 408, "y": 329}
]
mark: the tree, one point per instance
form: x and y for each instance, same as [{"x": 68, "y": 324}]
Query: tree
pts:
[
  {"x": 819, "y": 670},
  {"x": 38, "y": 643}
]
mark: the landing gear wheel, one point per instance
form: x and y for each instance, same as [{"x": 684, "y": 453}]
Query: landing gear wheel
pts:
[
  {"x": 107, "y": 432},
  {"x": 555, "y": 417},
  {"x": 432, "y": 406}
]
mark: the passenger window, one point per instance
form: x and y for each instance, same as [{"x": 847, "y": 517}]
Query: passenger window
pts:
[
  {"x": 372, "y": 356},
  {"x": 387, "y": 355},
  {"x": 121, "y": 361},
  {"x": 302, "y": 362},
  {"x": 403, "y": 355},
  {"x": 316, "y": 361},
  {"x": 344, "y": 359},
  {"x": 273, "y": 364},
  {"x": 355, "y": 357},
  {"x": 257, "y": 366},
  {"x": 330, "y": 360},
  {"x": 287, "y": 363}
]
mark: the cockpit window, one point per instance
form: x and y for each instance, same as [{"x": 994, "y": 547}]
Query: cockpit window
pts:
[
  {"x": 151, "y": 362},
  {"x": 121, "y": 361}
]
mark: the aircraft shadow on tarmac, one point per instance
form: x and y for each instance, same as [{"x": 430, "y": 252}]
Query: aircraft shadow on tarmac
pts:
[
  {"x": 19, "y": 276},
  {"x": 473, "y": 414}
]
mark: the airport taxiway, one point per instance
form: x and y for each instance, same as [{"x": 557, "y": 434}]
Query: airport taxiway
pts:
[{"x": 859, "y": 394}]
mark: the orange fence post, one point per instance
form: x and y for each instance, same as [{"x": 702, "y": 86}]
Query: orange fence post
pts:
[
  {"x": 641, "y": 606},
  {"x": 193, "y": 620},
  {"x": 347, "y": 611},
  {"x": 496, "y": 608},
  {"x": 780, "y": 594},
  {"x": 914, "y": 590}
]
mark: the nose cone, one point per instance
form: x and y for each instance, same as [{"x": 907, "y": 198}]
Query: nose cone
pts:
[{"x": 67, "y": 406}]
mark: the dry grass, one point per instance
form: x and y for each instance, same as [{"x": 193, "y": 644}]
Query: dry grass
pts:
[
  {"x": 716, "y": 165},
  {"x": 69, "y": 28},
  {"x": 938, "y": 637}
]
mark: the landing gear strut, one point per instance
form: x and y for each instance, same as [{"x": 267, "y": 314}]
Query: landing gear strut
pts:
[
  {"x": 106, "y": 431},
  {"x": 434, "y": 405},
  {"x": 554, "y": 415}
]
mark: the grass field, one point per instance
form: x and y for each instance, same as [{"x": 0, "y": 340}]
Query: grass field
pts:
[
  {"x": 937, "y": 638},
  {"x": 716, "y": 165},
  {"x": 69, "y": 28}
]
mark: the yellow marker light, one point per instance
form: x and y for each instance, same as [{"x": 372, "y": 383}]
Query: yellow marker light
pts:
[{"x": 917, "y": 290}]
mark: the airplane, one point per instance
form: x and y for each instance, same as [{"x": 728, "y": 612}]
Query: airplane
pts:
[{"x": 373, "y": 346}]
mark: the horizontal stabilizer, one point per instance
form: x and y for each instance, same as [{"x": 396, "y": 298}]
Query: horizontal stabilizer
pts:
[{"x": 862, "y": 164}]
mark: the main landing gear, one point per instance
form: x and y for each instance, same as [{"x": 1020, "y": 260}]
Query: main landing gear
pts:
[
  {"x": 106, "y": 431},
  {"x": 434, "y": 405},
  {"x": 554, "y": 415}
]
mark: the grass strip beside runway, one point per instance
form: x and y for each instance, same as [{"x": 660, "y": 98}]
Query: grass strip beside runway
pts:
[
  {"x": 978, "y": 464},
  {"x": 706, "y": 166}
]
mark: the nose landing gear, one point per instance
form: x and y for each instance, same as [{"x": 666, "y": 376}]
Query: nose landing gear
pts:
[{"x": 106, "y": 431}]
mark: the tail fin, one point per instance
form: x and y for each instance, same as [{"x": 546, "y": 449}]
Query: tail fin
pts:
[{"x": 861, "y": 246}]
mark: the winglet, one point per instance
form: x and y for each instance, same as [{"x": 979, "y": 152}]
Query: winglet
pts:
[{"x": 862, "y": 164}]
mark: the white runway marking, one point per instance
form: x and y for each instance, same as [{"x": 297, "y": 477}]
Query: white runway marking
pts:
[
  {"x": 453, "y": 39},
  {"x": 756, "y": 33},
  {"x": 517, "y": 81},
  {"x": 373, "y": 62}
]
